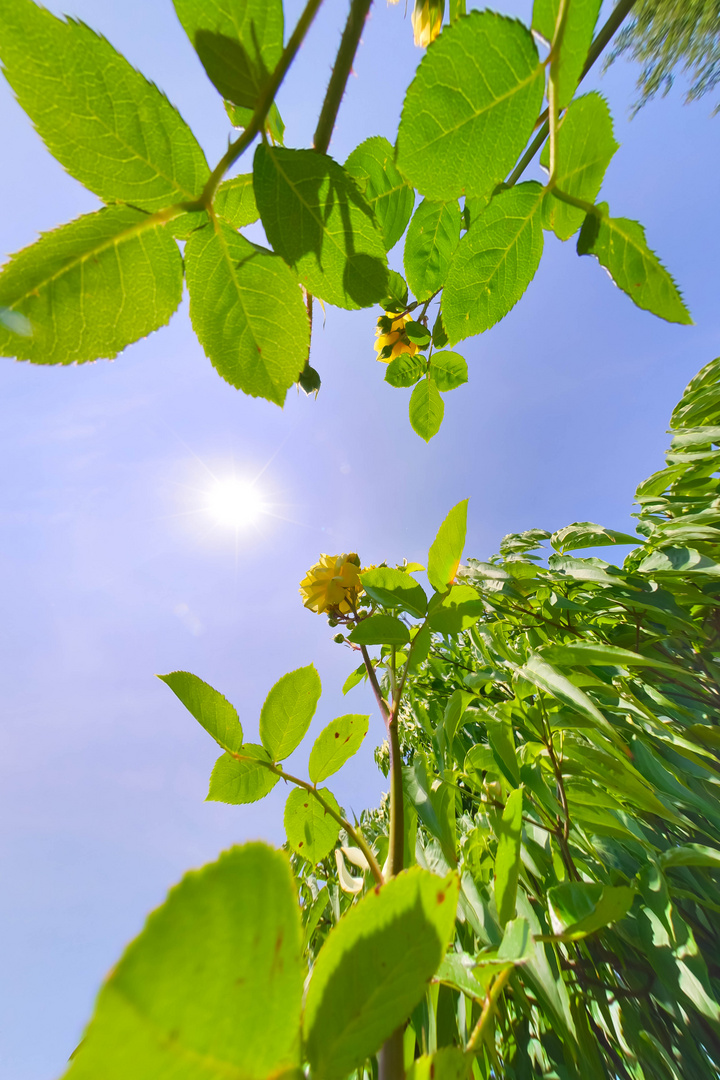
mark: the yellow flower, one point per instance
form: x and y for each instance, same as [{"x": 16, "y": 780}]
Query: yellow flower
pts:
[
  {"x": 391, "y": 337},
  {"x": 333, "y": 584},
  {"x": 427, "y": 20}
]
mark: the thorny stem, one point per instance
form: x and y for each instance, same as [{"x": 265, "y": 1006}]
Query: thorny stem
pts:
[
  {"x": 604, "y": 36},
  {"x": 263, "y": 107},
  {"x": 342, "y": 67},
  {"x": 349, "y": 829}
]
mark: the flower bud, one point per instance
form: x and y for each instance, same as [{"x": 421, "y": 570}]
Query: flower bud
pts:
[{"x": 427, "y": 21}]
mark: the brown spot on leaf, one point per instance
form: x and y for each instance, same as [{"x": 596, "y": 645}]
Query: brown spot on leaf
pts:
[
  {"x": 440, "y": 897},
  {"x": 432, "y": 1071},
  {"x": 337, "y": 734}
]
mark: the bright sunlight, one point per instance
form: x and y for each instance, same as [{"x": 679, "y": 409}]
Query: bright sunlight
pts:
[{"x": 235, "y": 503}]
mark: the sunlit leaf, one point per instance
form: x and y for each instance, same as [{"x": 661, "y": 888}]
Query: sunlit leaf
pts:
[
  {"x": 211, "y": 710},
  {"x": 335, "y": 744},
  {"x": 311, "y": 831},
  {"x": 288, "y": 710}
]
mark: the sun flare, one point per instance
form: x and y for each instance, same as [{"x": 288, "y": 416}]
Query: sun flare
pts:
[{"x": 235, "y": 503}]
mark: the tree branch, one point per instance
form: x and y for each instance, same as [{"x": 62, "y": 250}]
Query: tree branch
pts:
[{"x": 340, "y": 73}]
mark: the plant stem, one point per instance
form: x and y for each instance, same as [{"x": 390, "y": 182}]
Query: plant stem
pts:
[
  {"x": 349, "y": 829},
  {"x": 391, "y": 1057},
  {"x": 553, "y": 85},
  {"x": 263, "y": 106},
  {"x": 340, "y": 73},
  {"x": 474, "y": 1042},
  {"x": 604, "y": 36}
]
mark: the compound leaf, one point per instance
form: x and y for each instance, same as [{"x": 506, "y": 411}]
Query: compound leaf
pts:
[
  {"x": 388, "y": 194},
  {"x": 242, "y": 781},
  {"x": 433, "y": 235},
  {"x": 494, "y": 263},
  {"x": 311, "y": 831},
  {"x": 248, "y": 312},
  {"x": 211, "y": 710},
  {"x": 471, "y": 107},
  {"x": 316, "y": 218},
  {"x": 212, "y": 987},
  {"x": 110, "y": 127},
  {"x": 91, "y": 287},
  {"x": 288, "y": 710},
  {"x": 620, "y": 246},
  {"x": 374, "y": 968}
]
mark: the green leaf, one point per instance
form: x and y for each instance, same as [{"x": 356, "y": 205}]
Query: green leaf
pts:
[
  {"x": 448, "y": 370},
  {"x": 543, "y": 675},
  {"x": 374, "y": 968},
  {"x": 274, "y": 125},
  {"x": 288, "y": 710},
  {"x": 239, "y": 43},
  {"x": 316, "y": 218},
  {"x": 579, "y": 26},
  {"x": 430, "y": 808},
  {"x": 433, "y": 235},
  {"x": 494, "y": 263},
  {"x": 447, "y": 548},
  {"x": 582, "y": 908},
  {"x": 235, "y": 201},
  {"x": 105, "y": 123},
  {"x": 454, "y": 712},
  {"x": 448, "y": 1063},
  {"x": 585, "y": 148},
  {"x": 248, "y": 312},
  {"x": 588, "y": 654},
  {"x": 335, "y": 744},
  {"x": 460, "y": 609},
  {"x": 619, "y": 245},
  {"x": 311, "y": 831},
  {"x": 211, "y": 710},
  {"x": 586, "y": 534},
  {"x": 405, "y": 370},
  {"x": 212, "y": 987},
  {"x": 690, "y": 855},
  {"x": 502, "y": 744},
  {"x": 395, "y": 589},
  {"x": 426, "y": 410},
  {"x": 418, "y": 334},
  {"x": 234, "y": 781},
  {"x": 471, "y": 107},
  {"x": 355, "y": 677},
  {"x": 90, "y": 288},
  {"x": 380, "y": 630},
  {"x": 389, "y": 196},
  {"x": 507, "y": 859}
]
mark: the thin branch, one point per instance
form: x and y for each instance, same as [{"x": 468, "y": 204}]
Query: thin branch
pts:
[
  {"x": 475, "y": 1040},
  {"x": 340, "y": 73}
]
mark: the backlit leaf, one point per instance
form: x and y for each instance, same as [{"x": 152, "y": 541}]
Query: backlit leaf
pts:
[
  {"x": 586, "y": 534},
  {"x": 582, "y": 908},
  {"x": 447, "y": 548},
  {"x": 380, "y": 630},
  {"x": 235, "y": 201},
  {"x": 389, "y": 196},
  {"x": 507, "y": 859},
  {"x": 374, "y": 968},
  {"x": 110, "y": 127},
  {"x": 90, "y": 288},
  {"x": 494, "y": 263},
  {"x": 395, "y": 589},
  {"x": 243, "y": 780},
  {"x": 211, "y": 710},
  {"x": 311, "y": 831},
  {"x": 577, "y": 37},
  {"x": 448, "y": 370},
  {"x": 248, "y": 312},
  {"x": 288, "y": 710},
  {"x": 405, "y": 370},
  {"x": 585, "y": 148},
  {"x": 316, "y": 218},
  {"x": 335, "y": 744},
  {"x": 426, "y": 410},
  {"x": 239, "y": 43},
  {"x": 620, "y": 246},
  {"x": 471, "y": 107},
  {"x": 433, "y": 235},
  {"x": 212, "y": 986}
]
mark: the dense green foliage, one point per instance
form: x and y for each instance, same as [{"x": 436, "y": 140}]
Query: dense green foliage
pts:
[
  {"x": 664, "y": 36},
  {"x": 472, "y": 244}
]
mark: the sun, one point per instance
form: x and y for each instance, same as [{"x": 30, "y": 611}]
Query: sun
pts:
[{"x": 235, "y": 503}]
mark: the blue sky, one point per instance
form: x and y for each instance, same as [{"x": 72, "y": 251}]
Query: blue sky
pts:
[{"x": 112, "y": 570}]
